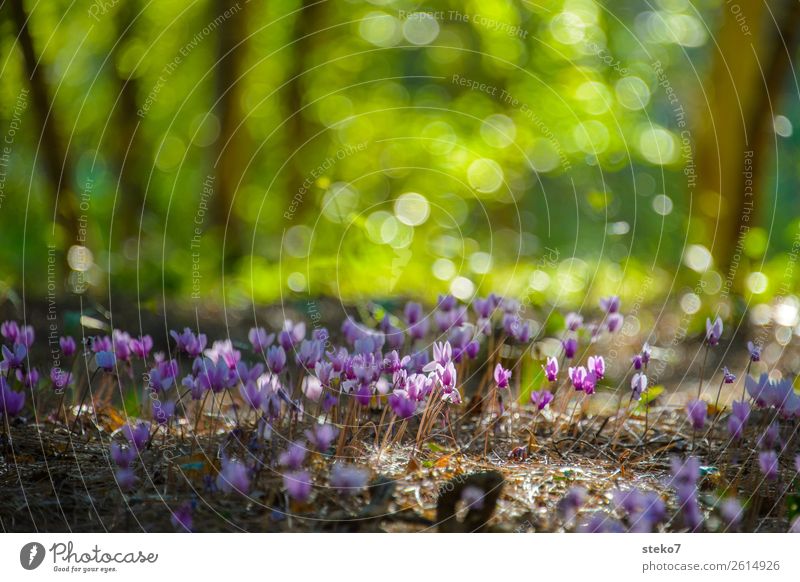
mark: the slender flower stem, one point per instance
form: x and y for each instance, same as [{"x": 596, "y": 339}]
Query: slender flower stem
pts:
[
  {"x": 746, "y": 376},
  {"x": 702, "y": 372}
]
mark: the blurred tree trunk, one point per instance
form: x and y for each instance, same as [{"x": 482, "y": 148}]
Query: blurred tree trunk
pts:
[
  {"x": 747, "y": 77},
  {"x": 298, "y": 129},
  {"x": 231, "y": 151},
  {"x": 58, "y": 166},
  {"x": 126, "y": 147}
]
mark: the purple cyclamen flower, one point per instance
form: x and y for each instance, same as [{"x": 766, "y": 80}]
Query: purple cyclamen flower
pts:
[
  {"x": 233, "y": 477},
  {"x": 442, "y": 353},
  {"x": 610, "y": 304},
  {"x": 570, "y": 347},
  {"x": 161, "y": 378},
  {"x": 121, "y": 344},
  {"x": 541, "y": 398},
  {"x": 322, "y": 436},
  {"x": 309, "y": 354},
  {"x": 402, "y": 404},
  {"x": 102, "y": 343},
  {"x": 162, "y": 411},
  {"x": 10, "y": 331},
  {"x": 137, "y": 437},
  {"x": 182, "y": 517},
  {"x": 29, "y": 379},
  {"x": 570, "y": 504},
  {"x": 600, "y": 522},
  {"x": 251, "y": 394},
  {"x": 348, "y": 479},
  {"x": 614, "y": 322},
  {"x": 770, "y": 437},
  {"x": 68, "y": 347},
  {"x": 260, "y": 339},
  {"x": 60, "y": 379},
  {"x": 685, "y": 473},
  {"x": 122, "y": 456},
  {"x": 731, "y": 512},
  {"x": 447, "y": 302},
  {"x": 412, "y": 312},
  {"x": 298, "y": 485},
  {"x": 755, "y": 351},
  {"x": 638, "y": 385},
  {"x": 737, "y": 421},
  {"x": 646, "y": 353},
  {"x": 501, "y": 376},
  {"x": 189, "y": 343},
  {"x": 126, "y": 479},
  {"x": 727, "y": 376},
  {"x": 597, "y": 365},
  {"x": 13, "y": 358},
  {"x": 25, "y": 336},
  {"x": 551, "y": 369},
  {"x": 141, "y": 346},
  {"x": 11, "y": 403},
  {"x": 292, "y": 458},
  {"x": 768, "y": 463},
  {"x": 573, "y": 321},
  {"x": 483, "y": 307},
  {"x": 215, "y": 377},
  {"x": 276, "y": 359},
  {"x": 105, "y": 361},
  {"x": 577, "y": 376},
  {"x": 697, "y": 410},
  {"x": 713, "y": 331}
]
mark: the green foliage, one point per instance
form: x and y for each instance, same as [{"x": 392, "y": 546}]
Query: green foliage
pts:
[{"x": 537, "y": 134}]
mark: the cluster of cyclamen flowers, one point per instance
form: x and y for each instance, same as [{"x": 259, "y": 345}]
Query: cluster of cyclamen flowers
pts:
[{"x": 633, "y": 510}]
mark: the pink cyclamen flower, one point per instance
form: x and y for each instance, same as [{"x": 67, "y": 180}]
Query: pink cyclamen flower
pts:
[
  {"x": 501, "y": 376},
  {"x": 577, "y": 376},
  {"x": 713, "y": 331},
  {"x": 551, "y": 369},
  {"x": 142, "y": 346},
  {"x": 541, "y": 398},
  {"x": 768, "y": 462},
  {"x": 597, "y": 365},
  {"x": 68, "y": 347}
]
